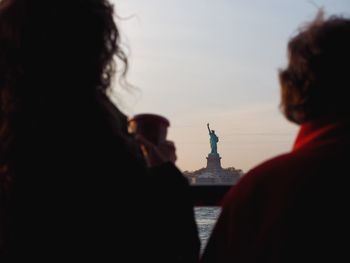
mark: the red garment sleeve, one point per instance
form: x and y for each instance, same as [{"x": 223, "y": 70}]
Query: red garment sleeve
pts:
[{"x": 231, "y": 236}]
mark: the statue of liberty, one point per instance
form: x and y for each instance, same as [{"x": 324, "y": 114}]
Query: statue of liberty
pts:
[{"x": 213, "y": 140}]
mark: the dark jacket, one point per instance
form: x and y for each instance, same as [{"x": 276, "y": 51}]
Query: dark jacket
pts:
[
  {"x": 82, "y": 193},
  {"x": 292, "y": 208}
]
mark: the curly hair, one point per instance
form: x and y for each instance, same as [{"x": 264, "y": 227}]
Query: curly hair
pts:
[
  {"x": 316, "y": 80},
  {"x": 71, "y": 45}
]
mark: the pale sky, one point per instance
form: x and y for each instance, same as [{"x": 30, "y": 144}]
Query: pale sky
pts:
[{"x": 216, "y": 61}]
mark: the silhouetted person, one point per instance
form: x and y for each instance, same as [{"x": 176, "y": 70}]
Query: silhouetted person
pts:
[
  {"x": 74, "y": 184},
  {"x": 293, "y": 208}
]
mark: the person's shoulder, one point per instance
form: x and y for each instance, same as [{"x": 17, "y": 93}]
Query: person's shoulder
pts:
[
  {"x": 264, "y": 173},
  {"x": 168, "y": 174},
  {"x": 273, "y": 166}
]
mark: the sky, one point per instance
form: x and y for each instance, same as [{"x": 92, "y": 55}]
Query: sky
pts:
[{"x": 214, "y": 61}]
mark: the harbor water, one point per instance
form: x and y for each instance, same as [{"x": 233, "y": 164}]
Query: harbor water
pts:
[{"x": 206, "y": 218}]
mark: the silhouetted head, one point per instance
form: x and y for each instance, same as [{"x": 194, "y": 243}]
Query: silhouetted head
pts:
[
  {"x": 60, "y": 41},
  {"x": 54, "y": 51},
  {"x": 316, "y": 80},
  {"x": 212, "y": 131}
]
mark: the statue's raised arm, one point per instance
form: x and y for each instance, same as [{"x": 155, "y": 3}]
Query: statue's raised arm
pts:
[{"x": 208, "y": 128}]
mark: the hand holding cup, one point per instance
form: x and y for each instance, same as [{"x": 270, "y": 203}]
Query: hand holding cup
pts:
[{"x": 151, "y": 132}]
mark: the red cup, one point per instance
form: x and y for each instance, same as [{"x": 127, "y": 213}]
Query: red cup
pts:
[{"x": 153, "y": 127}]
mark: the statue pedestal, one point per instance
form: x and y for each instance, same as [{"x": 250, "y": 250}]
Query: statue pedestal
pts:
[
  {"x": 213, "y": 161},
  {"x": 214, "y": 174}
]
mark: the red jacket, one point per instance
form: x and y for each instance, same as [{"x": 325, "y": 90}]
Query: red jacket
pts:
[{"x": 292, "y": 208}]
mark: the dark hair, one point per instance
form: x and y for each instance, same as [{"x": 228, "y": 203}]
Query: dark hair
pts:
[
  {"x": 317, "y": 78},
  {"x": 61, "y": 47}
]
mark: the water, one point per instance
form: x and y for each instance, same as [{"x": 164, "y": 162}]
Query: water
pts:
[{"x": 206, "y": 218}]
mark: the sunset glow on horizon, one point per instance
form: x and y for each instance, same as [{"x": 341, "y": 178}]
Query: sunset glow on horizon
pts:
[{"x": 202, "y": 61}]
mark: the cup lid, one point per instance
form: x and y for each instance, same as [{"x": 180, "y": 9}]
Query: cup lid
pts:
[{"x": 149, "y": 117}]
